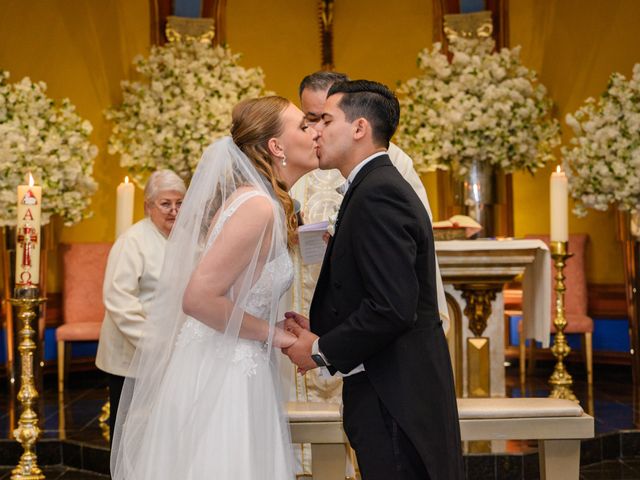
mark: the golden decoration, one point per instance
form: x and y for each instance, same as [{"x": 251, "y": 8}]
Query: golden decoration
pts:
[
  {"x": 28, "y": 431},
  {"x": 560, "y": 379},
  {"x": 468, "y": 25},
  {"x": 103, "y": 421},
  {"x": 478, "y": 299},
  {"x": 183, "y": 28}
]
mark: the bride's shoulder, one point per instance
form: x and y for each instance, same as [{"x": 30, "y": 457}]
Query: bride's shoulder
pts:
[{"x": 251, "y": 200}]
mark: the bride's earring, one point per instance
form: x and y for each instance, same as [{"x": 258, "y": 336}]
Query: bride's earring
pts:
[{"x": 284, "y": 161}]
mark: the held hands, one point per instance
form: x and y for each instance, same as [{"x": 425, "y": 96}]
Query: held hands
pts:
[
  {"x": 296, "y": 318},
  {"x": 300, "y": 351},
  {"x": 283, "y": 339}
]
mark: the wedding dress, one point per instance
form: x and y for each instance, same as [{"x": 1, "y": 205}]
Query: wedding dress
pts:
[{"x": 211, "y": 408}]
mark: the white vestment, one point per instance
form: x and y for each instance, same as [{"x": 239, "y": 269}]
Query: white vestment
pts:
[{"x": 132, "y": 273}]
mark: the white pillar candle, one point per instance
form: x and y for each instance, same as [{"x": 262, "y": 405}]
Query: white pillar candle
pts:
[
  {"x": 28, "y": 234},
  {"x": 124, "y": 206},
  {"x": 559, "y": 206}
]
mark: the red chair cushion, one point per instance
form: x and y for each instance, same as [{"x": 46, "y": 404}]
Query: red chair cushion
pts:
[
  {"x": 84, "y": 266},
  {"x": 78, "y": 331}
]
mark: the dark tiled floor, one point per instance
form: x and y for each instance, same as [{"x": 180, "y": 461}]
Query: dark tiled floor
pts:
[
  {"x": 610, "y": 401},
  {"x": 58, "y": 473},
  {"x": 72, "y": 416},
  {"x": 85, "y": 447}
]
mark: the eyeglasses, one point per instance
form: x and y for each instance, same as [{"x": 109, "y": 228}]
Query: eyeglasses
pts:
[{"x": 166, "y": 206}]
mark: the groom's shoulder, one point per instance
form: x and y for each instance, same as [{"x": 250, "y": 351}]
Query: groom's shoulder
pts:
[{"x": 387, "y": 175}]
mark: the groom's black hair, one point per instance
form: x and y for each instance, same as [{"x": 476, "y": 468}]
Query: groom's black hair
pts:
[{"x": 372, "y": 101}]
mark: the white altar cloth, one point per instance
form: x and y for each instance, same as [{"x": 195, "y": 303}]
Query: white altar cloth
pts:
[{"x": 536, "y": 285}]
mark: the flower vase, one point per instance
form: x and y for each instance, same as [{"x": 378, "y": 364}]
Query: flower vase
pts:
[
  {"x": 480, "y": 193},
  {"x": 629, "y": 235}
]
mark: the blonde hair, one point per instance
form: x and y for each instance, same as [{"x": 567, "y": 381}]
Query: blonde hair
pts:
[{"x": 255, "y": 122}]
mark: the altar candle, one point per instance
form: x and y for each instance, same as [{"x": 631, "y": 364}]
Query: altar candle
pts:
[
  {"x": 559, "y": 206},
  {"x": 124, "y": 206},
  {"x": 28, "y": 234}
]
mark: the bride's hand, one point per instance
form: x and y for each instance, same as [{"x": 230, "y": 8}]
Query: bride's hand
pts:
[{"x": 282, "y": 339}]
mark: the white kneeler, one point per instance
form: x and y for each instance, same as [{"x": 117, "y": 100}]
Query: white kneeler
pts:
[
  {"x": 320, "y": 424},
  {"x": 558, "y": 425}
]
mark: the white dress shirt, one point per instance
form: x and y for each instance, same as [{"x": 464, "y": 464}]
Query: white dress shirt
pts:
[{"x": 133, "y": 269}]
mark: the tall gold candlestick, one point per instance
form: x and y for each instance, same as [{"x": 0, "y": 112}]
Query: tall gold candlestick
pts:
[
  {"x": 27, "y": 300},
  {"x": 560, "y": 379}
]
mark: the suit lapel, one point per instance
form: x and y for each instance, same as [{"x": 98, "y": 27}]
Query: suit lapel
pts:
[{"x": 381, "y": 161}]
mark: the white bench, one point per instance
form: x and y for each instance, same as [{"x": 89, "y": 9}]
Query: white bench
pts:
[{"x": 558, "y": 425}]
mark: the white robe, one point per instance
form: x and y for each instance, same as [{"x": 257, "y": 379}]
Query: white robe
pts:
[{"x": 133, "y": 269}]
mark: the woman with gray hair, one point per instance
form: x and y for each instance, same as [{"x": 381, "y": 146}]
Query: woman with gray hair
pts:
[{"x": 132, "y": 272}]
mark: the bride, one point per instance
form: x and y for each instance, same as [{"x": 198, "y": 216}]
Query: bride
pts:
[{"x": 201, "y": 400}]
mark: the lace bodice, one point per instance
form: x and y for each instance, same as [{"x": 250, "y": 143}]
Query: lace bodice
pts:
[{"x": 274, "y": 280}]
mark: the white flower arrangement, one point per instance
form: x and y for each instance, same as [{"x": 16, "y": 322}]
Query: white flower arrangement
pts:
[
  {"x": 603, "y": 164},
  {"x": 183, "y": 106},
  {"x": 50, "y": 141},
  {"x": 482, "y": 106}
]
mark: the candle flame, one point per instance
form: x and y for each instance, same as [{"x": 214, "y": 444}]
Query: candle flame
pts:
[
  {"x": 558, "y": 169},
  {"x": 126, "y": 179},
  {"x": 31, "y": 182}
]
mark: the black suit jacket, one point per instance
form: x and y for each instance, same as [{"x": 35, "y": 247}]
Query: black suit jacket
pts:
[{"x": 375, "y": 303}]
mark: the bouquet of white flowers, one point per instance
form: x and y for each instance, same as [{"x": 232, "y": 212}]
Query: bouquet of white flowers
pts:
[
  {"x": 603, "y": 164},
  {"x": 50, "y": 141},
  {"x": 183, "y": 106},
  {"x": 480, "y": 106}
]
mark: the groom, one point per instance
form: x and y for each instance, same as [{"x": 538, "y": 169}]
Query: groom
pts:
[{"x": 374, "y": 315}]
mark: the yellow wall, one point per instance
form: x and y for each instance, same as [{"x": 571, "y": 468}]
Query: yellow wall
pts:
[
  {"x": 83, "y": 49},
  {"x": 574, "y": 45}
]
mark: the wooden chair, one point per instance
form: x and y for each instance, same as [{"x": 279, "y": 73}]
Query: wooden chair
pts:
[
  {"x": 575, "y": 300},
  {"x": 84, "y": 265}
]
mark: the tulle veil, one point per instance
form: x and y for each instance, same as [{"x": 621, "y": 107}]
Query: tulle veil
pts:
[{"x": 222, "y": 173}]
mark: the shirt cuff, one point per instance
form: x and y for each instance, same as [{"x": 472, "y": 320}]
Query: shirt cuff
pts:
[{"x": 315, "y": 350}]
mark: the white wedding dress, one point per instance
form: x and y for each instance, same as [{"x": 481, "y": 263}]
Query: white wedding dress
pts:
[{"x": 241, "y": 434}]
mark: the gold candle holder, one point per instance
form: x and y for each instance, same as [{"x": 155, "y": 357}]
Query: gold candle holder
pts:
[
  {"x": 27, "y": 300},
  {"x": 560, "y": 379},
  {"x": 103, "y": 421}
]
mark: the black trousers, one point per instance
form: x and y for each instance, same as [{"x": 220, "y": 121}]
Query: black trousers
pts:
[
  {"x": 116, "y": 383},
  {"x": 383, "y": 450}
]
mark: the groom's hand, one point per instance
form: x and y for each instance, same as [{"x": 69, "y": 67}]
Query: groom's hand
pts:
[
  {"x": 300, "y": 351},
  {"x": 301, "y": 320}
]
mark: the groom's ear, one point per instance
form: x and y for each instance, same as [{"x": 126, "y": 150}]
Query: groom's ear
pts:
[{"x": 361, "y": 127}]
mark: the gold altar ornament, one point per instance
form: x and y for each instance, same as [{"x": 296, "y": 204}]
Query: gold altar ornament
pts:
[
  {"x": 560, "y": 379},
  {"x": 28, "y": 431},
  {"x": 468, "y": 25},
  {"x": 182, "y": 28},
  {"x": 478, "y": 298}
]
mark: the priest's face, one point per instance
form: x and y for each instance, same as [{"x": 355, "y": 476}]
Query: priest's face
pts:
[
  {"x": 312, "y": 103},
  {"x": 163, "y": 210}
]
